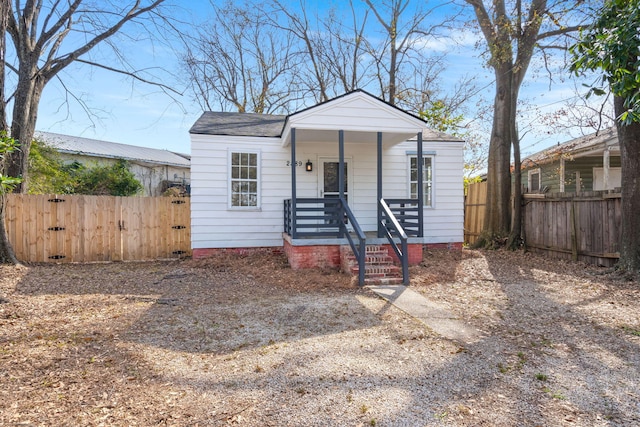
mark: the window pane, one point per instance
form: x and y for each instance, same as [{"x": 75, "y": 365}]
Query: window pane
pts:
[
  {"x": 331, "y": 177},
  {"x": 243, "y": 185},
  {"x": 427, "y": 177},
  {"x": 535, "y": 181}
]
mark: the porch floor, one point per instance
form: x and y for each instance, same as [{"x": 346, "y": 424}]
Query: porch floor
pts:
[{"x": 372, "y": 239}]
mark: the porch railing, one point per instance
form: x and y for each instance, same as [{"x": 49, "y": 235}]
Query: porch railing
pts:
[
  {"x": 408, "y": 215},
  {"x": 392, "y": 228},
  {"x": 326, "y": 217}
]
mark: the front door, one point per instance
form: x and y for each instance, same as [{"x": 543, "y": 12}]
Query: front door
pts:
[{"x": 329, "y": 181}]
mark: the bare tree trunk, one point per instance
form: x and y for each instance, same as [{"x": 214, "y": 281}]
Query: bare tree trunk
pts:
[
  {"x": 6, "y": 251},
  {"x": 23, "y": 124},
  {"x": 498, "y": 186},
  {"x": 515, "y": 237},
  {"x": 27, "y": 96},
  {"x": 629, "y": 138},
  {"x": 7, "y": 256},
  {"x": 4, "y": 13}
]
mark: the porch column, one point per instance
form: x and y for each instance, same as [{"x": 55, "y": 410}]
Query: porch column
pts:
[
  {"x": 420, "y": 188},
  {"x": 341, "y": 163},
  {"x": 294, "y": 227},
  {"x": 379, "y": 185},
  {"x": 341, "y": 168},
  {"x": 605, "y": 169}
]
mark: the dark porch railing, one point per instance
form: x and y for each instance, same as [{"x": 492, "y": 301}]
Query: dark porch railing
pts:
[
  {"x": 408, "y": 215},
  {"x": 325, "y": 217},
  {"x": 392, "y": 228}
]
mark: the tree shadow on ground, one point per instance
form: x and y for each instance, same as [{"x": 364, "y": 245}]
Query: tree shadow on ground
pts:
[{"x": 294, "y": 352}]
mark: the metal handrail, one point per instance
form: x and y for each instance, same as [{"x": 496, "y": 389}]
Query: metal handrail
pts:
[
  {"x": 390, "y": 223},
  {"x": 360, "y": 250}
]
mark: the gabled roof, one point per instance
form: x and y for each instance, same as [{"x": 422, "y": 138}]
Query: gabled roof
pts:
[
  {"x": 239, "y": 124},
  {"x": 274, "y": 126},
  {"x": 96, "y": 148},
  {"x": 592, "y": 144}
]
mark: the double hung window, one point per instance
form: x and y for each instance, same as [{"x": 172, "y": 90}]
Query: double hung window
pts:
[
  {"x": 244, "y": 182},
  {"x": 427, "y": 179}
]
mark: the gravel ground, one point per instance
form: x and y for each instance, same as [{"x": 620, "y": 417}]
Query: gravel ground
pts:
[{"x": 247, "y": 341}]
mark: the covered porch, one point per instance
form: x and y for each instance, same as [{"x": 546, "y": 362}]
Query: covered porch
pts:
[{"x": 344, "y": 208}]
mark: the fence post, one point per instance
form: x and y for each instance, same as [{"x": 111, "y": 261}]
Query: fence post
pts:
[{"x": 574, "y": 233}]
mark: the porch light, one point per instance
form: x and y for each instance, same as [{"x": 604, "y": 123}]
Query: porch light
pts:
[{"x": 309, "y": 166}]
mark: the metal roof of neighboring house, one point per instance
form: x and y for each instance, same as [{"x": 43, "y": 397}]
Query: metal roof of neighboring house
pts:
[
  {"x": 594, "y": 143},
  {"x": 239, "y": 124},
  {"x": 95, "y": 148}
]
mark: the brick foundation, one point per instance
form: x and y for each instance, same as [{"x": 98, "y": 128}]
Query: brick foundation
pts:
[
  {"x": 324, "y": 256},
  {"x": 415, "y": 253},
  {"x": 320, "y": 256}
]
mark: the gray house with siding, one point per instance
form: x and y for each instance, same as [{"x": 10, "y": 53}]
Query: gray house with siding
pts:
[
  {"x": 351, "y": 171},
  {"x": 587, "y": 163}
]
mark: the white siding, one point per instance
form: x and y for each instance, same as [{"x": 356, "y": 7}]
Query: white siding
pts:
[{"x": 214, "y": 225}]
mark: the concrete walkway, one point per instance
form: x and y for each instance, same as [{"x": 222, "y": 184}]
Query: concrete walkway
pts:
[{"x": 435, "y": 316}]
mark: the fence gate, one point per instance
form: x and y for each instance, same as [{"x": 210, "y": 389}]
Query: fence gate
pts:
[{"x": 72, "y": 228}]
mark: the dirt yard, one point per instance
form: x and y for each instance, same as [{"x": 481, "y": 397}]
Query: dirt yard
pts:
[{"x": 247, "y": 341}]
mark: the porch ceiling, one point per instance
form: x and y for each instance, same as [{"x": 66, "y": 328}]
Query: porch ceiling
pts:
[{"x": 350, "y": 137}]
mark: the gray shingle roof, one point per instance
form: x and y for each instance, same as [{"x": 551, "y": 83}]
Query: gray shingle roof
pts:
[
  {"x": 239, "y": 124},
  {"x": 96, "y": 148}
]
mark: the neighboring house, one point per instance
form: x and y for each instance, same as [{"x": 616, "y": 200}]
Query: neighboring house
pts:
[
  {"x": 275, "y": 181},
  {"x": 156, "y": 169},
  {"x": 588, "y": 163}
]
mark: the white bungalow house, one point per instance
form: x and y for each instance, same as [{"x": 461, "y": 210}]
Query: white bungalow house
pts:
[{"x": 341, "y": 173}]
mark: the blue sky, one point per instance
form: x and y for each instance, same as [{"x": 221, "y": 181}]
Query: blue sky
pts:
[{"x": 139, "y": 114}]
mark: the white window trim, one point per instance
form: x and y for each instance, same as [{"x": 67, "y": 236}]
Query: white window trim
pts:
[
  {"x": 258, "y": 206},
  {"x": 430, "y": 155},
  {"x": 533, "y": 172}
]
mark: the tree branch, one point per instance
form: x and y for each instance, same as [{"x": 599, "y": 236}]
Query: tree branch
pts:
[
  {"x": 559, "y": 31},
  {"x": 60, "y": 63},
  {"x": 131, "y": 74}
]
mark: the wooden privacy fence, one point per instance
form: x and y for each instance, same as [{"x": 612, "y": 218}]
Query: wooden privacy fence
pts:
[
  {"x": 583, "y": 227},
  {"x": 474, "y": 210},
  {"x": 72, "y": 228}
]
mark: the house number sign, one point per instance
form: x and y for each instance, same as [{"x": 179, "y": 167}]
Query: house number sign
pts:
[{"x": 297, "y": 163}]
